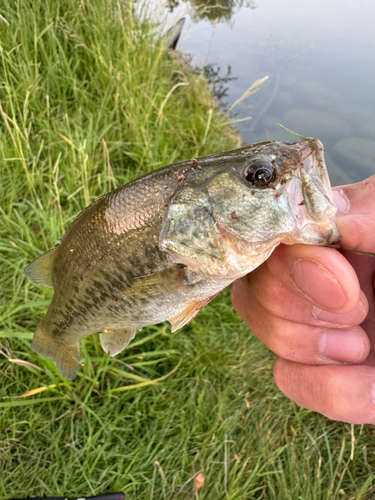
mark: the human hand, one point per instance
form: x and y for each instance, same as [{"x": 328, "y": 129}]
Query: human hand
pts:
[{"x": 306, "y": 304}]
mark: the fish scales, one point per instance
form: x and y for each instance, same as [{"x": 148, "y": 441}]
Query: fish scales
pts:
[
  {"x": 161, "y": 247},
  {"x": 99, "y": 274}
]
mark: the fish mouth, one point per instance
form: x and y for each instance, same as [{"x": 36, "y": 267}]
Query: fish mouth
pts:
[{"x": 310, "y": 198}]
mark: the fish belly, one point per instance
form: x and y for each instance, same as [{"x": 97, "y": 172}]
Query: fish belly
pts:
[{"x": 117, "y": 313}]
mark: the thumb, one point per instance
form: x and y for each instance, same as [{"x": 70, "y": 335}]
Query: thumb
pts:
[{"x": 356, "y": 215}]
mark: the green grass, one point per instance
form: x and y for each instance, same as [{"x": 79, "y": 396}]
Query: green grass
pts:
[{"x": 89, "y": 100}]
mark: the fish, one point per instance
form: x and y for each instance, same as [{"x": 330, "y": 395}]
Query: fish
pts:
[{"x": 161, "y": 247}]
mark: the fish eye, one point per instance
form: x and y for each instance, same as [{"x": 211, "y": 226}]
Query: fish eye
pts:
[{"x": 260, "y": 173}]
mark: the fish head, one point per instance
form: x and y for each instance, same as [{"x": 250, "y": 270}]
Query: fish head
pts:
[
  {"x": 277, "y": 192},
  {"x": 254, "y": 199}
]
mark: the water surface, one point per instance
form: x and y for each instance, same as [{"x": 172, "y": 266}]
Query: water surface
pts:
[{"x": 320, "y": 59}]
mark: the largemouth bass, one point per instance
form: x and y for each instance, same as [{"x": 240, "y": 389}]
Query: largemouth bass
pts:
[{"x": 161, "y": 247}]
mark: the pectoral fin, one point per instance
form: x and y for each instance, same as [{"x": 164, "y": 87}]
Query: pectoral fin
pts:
[
  {"x": 191, "y": 310},
  {"x": 113, "y": 342},
  {"x": 190, "y": 235}
]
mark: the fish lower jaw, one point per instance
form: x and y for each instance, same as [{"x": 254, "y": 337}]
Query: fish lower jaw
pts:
[
  {"x": 315, "y": 234},
  {"x": 239, "y": 264}
]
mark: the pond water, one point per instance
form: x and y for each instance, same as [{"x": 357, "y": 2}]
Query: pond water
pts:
[{"x": 319, "y": 56}]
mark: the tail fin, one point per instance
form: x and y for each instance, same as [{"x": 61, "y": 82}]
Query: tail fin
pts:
[
  {"x": 65, "y": 355},
  {"x": 39, "y": 272}
]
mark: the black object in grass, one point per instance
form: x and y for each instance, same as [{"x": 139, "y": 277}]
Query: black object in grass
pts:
[{"x": 105, "y": 496}]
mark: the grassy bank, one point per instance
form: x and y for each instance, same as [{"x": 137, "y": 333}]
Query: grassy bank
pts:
[{"x": 90, "y": 100}]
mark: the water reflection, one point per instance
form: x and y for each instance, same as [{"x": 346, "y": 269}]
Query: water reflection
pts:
[
  {"x": 218, "y": 83},
  {"x": 214, "y": 10}
]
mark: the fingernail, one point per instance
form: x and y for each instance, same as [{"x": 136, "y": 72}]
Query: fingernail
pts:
[
  {"x": 341, "y": 201},
  {"x": 341, "y": 345},
  {"x": 318, "y": 284},
  {"x": 353, "y": 317}
]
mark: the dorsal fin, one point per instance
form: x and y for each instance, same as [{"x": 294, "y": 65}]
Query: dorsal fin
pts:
[{"x": 39, "y": 272}]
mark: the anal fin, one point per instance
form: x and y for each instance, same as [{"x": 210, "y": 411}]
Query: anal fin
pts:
[
  {"x": 65, "y": 355},
  {"x": 191, "y": 310},
  {"x": 113, "y": 342}
]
